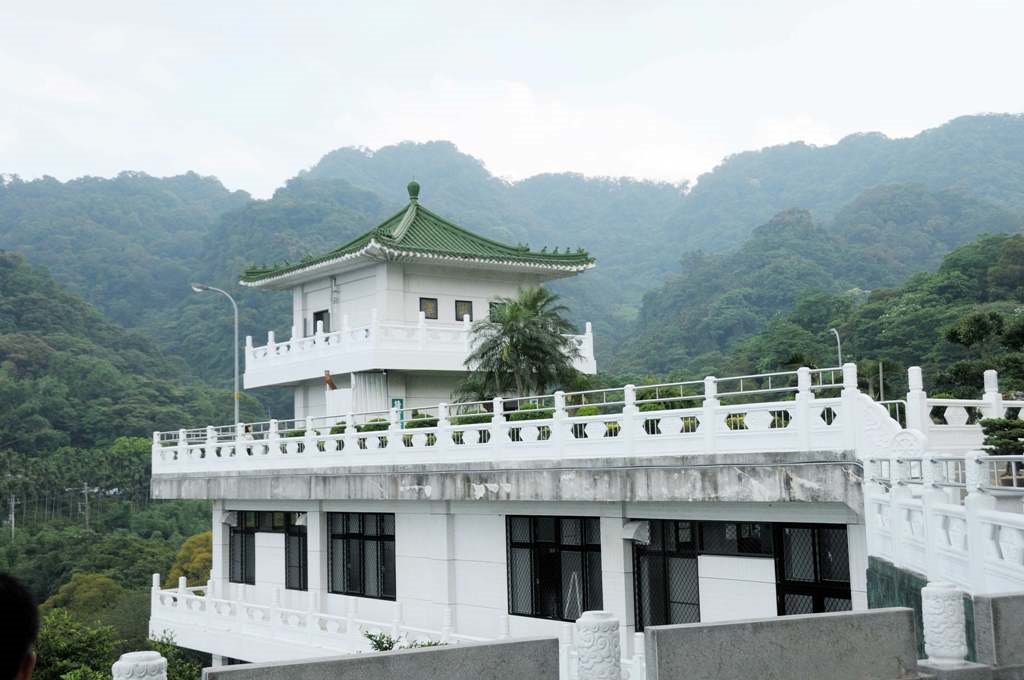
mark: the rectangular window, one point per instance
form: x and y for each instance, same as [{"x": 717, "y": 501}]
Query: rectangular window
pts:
[
  {"x": 325, "y": 316},
  {"x": 362, "y": 554},
  {"x": 429, "y": 307},
  {"x": 463, "y": 308},
  {"x": 736, "y": 538},
  {"x": 812, "y": 568},
  {"x": 554, "y": 566},
  {"x": 296, "y": 563},
  {"x": 667, "y": 589},
  {"x": 494, "y": 308},
  {"x": 242, "y": 548}
]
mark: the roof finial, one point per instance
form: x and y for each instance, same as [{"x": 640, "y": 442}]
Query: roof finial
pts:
[{"x": 414, "y": 190}]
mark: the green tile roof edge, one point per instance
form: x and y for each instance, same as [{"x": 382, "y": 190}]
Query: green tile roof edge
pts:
[{"x": 388, "y": 236}]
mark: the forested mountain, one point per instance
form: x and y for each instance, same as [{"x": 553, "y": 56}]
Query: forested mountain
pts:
[
  {"x": 70, "y": 378},
  {"x": 128, "y": 244},
  {"x": 983, "y": 155},
  {"x": 874, "y": 211},
  {"x": 879, "y": 239},
  {"x": 955, "y": 322}
]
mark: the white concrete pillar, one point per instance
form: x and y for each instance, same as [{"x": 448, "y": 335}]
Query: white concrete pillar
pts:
[
  {"x": 219, "y": 563},
  {"x": 945, "y": 633},
  {"x": 617, "y": 576},
  {"x": 993, "y": 399},
  {"x": 148, "y": 665},
  {"x": 857, "y": 549},
  {"x": 316, "y": 555},
  {"x": 598, "y": 653}
]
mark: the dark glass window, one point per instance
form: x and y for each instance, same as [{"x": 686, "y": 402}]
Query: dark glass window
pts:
[
  {"x": 812, "y": 568},
  {"x": 325, "y": 316},
  {"x": 242, "y": 548},
  {"x": 463, "y": 308},
  {"x": 362, "y": 554},
  {"x": 667, "y": 590},
  {"x": 736, "y": 538},
  {"x": 554, "y": 566},
  {"x": 429, "y": 307},
  {"x": 296, "y": 561}
]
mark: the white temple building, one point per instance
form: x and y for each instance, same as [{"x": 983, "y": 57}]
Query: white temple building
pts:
[{"x": 386, "y": 507}]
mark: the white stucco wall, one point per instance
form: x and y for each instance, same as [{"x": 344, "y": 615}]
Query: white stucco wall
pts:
[{"x": 733, "y": 588}]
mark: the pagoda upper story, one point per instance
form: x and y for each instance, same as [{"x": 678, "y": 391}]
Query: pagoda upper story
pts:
[{"x": 400, "y": 297}]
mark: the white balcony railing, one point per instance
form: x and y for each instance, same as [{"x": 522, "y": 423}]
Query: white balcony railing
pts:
[
  {"x": 801, "y": 410},
  {"x": 198, "y": 619},
  {"x": 425, "y": 345}
]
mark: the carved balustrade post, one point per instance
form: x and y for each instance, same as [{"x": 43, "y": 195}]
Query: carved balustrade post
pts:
[
  {"x": 709, "y": 422},
  {"x": 139, "y": 665},
  {"x": 444, "y": 429},
  {"x": 498, "y": 422},
  {"x": 945, "y": 633},
  {"x": 993, "y": 399},
  {"x": 273, "y": 438},
  {"x": 598, "y": 651},
  {"x": 802, "y": 416},
  {"x": 395, "y": 440},
  {"x": 558, "y": 435}
]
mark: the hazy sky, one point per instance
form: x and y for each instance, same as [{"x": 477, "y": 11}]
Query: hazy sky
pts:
[{"x": 252, "y": 92}]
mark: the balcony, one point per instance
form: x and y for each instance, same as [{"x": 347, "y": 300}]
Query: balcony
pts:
[
  {"x": 422, "y": 346},
  {"x": 800, "y": 411}
]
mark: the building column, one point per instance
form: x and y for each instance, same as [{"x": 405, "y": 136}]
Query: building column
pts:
[
  {"x": 317, "y": 547},
  {"x": 219, "y": 565},
  {"x": 617, "y": 578},
  {"x": 857, "y": 547}
]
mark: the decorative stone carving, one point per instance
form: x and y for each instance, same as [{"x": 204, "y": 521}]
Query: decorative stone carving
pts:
[
  {"x": 599, "y": 655},
  {"x": 133, "y": 665},
  {"x": 945, "y": 637}
]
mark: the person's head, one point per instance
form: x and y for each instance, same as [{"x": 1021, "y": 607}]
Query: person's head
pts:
[
  {"x": 19, "y": 626},
  {"x": 248, "y": 429}
]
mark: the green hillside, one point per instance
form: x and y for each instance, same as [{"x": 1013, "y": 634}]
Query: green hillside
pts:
[{"x": 879, "y": 239}]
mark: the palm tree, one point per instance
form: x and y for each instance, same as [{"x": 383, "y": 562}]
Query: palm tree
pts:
[{"x": 522, "y": 346}]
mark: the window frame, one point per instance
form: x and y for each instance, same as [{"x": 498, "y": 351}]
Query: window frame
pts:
[
  {"x": 767, "y": 534},
  {"x": 587, "y": 550},
  {"x": 818, "y": 589},
  {"x": 378, "y": 540},
  {"x": 458, "y": 317},
  {"x": 325, "y": 316},
  {"x": 426, "y": 312},
  {"x": 690, "y": 550},
  {"x": 245, "y": 529},
  {"x": 292, "y": 530}
]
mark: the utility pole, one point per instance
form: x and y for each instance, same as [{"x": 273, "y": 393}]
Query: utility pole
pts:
[
  {"x": 85, "y": 505},
  {"x": 881, "y": 382},
  {"x": 12, "y": 502}
]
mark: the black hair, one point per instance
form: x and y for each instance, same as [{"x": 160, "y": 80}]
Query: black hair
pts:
[{"x": 19, "y": 625}]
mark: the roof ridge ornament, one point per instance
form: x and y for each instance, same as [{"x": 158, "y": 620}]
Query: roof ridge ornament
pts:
[{"x": 414, "y": 191}]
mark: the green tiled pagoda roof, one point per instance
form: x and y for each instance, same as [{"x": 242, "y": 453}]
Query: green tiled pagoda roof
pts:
[{"x": 417, "y": 233}]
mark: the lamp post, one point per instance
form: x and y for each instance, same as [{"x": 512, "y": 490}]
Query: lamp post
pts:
[
  {"x": 839, "y": 345},
  {"x": 202, "y": 287}
]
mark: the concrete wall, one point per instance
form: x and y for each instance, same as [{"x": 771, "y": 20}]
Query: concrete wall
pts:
[
  {"x": 536, "y": 659},
  {"x": 892, "y": 586},
  {"x": 998, "y": 633},
  {"x": 448, "y": 285},
  {"x": 733, "y": 588},
  {"x": 876, "y": 644}
]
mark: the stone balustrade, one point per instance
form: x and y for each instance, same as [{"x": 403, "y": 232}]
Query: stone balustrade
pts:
[
  {"x": 425, "y": 345},
  {"x": 761, "y": 413}
]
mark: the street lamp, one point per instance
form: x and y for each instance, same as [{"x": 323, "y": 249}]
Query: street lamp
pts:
[
  {"x": 201, "y": 288},
  {"x": 839, "y": 345}
]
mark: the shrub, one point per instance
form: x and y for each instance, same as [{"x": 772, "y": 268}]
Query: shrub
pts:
[
  {"x": 294, "y": 433},
  {"x": 588, "y": 410},
  {"x": 338, "y": 429},
  {"x": 420, "y": 420},
  {"x": 530, "y": 410},
  {"x": 473, "y": 418},
  {"x": 1003, "y": 436},
  {"x": 374, "y": 425}
]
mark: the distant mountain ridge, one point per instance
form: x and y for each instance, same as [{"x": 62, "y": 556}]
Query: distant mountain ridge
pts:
[{"x": 131, "y": 244}]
